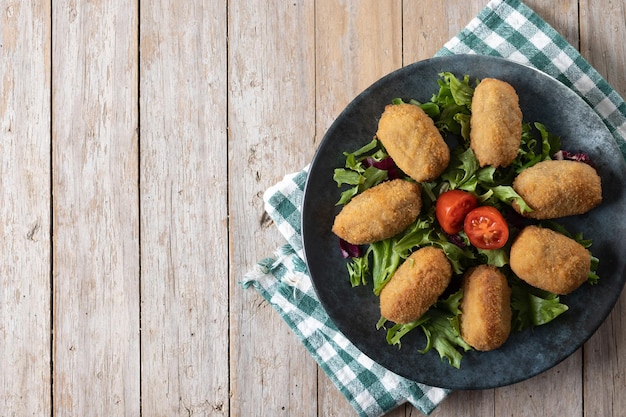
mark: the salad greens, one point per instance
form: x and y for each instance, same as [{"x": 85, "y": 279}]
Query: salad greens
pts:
[
  {"x": 359, "y": 173},
  {"x": 450, "y": 109},
  {"x": 440, "y": 324}
]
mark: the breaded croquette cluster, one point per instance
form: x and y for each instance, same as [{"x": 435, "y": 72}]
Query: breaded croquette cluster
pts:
[
  {"x": 486, "y": 308},
  {"x": 416, "y": 285},
  {"x": 496, "y": 123},
  {"x": 379, "y": 212},
  {"x": 558, "y": 188},
  {"x": 549, "y": 260},
  {"x": 541, "y": 257},
  {"x": 413, "y": 141}
]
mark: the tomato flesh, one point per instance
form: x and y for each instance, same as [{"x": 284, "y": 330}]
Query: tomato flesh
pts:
[
  {"x": 451, "y": 209},
  {"x": 486, "y": 228}
]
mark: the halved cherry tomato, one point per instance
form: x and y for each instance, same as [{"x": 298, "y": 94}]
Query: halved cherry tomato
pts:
[
  {"x": 451, "y": 209},
  {"x": 486, "y": 228}
]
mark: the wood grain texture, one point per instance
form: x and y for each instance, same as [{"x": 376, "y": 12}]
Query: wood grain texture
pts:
[
  {"x": 427, "y": 26},
  {"x": 541, "y": 396},
  {"x": 356, "y": 44},
  {"x": 184, "y": 235},
  {"x": 95, "y": 208},
  {"x": 136, "y": 141},
  {"x": 554, "y": 393},
  {"x": 271, "y": 117},
  {"x": 420, "y": 44},
  {"x": 601, "y": 25},
  {"x": 604, "y": 369},
  {"x": 25, "y": 328}
]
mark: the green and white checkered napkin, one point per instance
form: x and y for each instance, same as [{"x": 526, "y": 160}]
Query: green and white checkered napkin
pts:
[{"x": 505, "y": 28}]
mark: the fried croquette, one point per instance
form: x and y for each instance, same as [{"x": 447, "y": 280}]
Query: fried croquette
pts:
[
  {"x": 413, "y": 142},
  {"x": 416, "y": 285},
  {"x": 379, "y": 212},
  {"x": 495, "y": 123},
  {"x": 485, "y": 308},
  {"x": 549, "y": 260},
  {"x": 555, "y": 189}
]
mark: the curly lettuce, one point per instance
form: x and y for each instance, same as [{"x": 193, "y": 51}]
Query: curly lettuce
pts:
[
  {"x": 450, "y": 109},
  {"x": 440, "y": 325}
]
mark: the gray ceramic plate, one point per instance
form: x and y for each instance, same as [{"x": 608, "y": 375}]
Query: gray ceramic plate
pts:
[{"x": 355, "y": 311}]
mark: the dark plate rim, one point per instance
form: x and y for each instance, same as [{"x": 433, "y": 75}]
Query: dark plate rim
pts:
[{"x": 307, "y": 230}]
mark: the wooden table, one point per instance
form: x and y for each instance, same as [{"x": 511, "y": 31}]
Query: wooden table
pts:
[{"x": 136, "y": 140}]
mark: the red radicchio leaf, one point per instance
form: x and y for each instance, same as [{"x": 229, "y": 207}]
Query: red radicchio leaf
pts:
[
  {"x": 578, "y": 156},
  {"x": 457, "y": 240},
  {"x": 386, "y": 164},
  {"x": 348, "y": 250}
]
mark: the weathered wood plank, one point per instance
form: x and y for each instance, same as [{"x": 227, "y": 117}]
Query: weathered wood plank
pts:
[
  {"x": 562, "y": 15},
  {"x": 554, "y": 393},
  {"x": 604, "y": 369},
  {"x": 541, "y": 396},
  {"x": 95, "y": 210},
  {"x": 602, "y": 34},
  {"x": 465, "y": 403},
  {"x": 25, "y": 259},
  {"x": 271, "y": 133},
  {"x": 602, "y": 30},
  {"x": 292, "y": 69},
  {"x": 356, "y": 44},
  {"x": 184, "y": 235},
  {"x": 427, "y": 26}
]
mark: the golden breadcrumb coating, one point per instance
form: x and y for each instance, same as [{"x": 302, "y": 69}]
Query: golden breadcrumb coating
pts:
[
  {"x": 558, "y": 188},
  {"x": 413, "y": 141},
  {"x": 416, "y": 285},
  {"x": 496, "y": 123},
  {"x": 549, "y": 260},
  {"x": 379, "y": 212},
  {"x": 485, "y": 308}
]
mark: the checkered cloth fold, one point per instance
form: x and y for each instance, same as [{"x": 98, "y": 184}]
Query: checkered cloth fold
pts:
[{"x": 505, "y": 28}]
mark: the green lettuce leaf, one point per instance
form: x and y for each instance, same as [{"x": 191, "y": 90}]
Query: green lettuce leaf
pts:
[
  {"x": 440, "y": 325},
  {"x": 450, "y": 108},
  {"x": 385, "y": 262},
  {"x": 423, "y": 233},
  {"x": 464, "y": 173},
  {"x": 593, "y": 277},
  {"x": 454, "y": 100},
  {"x": 532, "y": 151},
  {"x": 496, "y": 257},
  {"x": 444, "y": 338},
  {"x": 430, "y": 108},
  {"x": 508, "y": 195},
  {"x": 533, "y": 307},
  {"x": 461, "y": 171},
  {"x": 358, "y": 270},
  {"x": 460, "y": 90},
  {"x": 355, "y": 174},
  {"x": 397, "y": 331}
]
